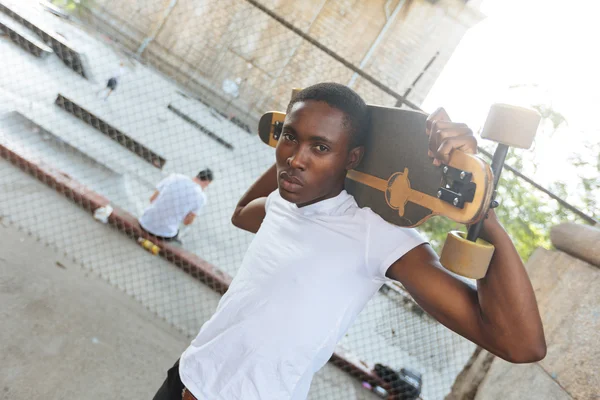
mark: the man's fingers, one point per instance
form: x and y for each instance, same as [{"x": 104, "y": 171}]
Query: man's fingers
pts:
[
  {"x": 445, "y": 136},
  {"x": 467, "y": 144},
  {"x": 440, "y": 125},
  {"x": 447, "y": 131},
  {"x": 438, "y": 115}
]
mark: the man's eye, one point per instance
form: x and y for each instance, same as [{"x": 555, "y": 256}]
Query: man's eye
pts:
[
  {"x": 288, "y": 136},
  {"x": 321, "y": 148}
]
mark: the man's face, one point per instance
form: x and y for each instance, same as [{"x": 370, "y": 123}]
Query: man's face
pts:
[{"x": 313, "y": 153}]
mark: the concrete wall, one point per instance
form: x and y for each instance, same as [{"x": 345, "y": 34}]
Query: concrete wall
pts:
[
  {"x": 202, "y": 43},
  {"x": 567, "y": 292}
]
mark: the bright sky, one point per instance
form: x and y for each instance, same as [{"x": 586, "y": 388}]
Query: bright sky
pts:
[{"x": 550, "y": 43}]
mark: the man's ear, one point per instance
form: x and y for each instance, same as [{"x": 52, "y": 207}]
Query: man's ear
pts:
[{"x": 354, "y": 157}]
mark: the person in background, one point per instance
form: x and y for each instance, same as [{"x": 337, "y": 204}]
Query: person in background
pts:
[
  {"x": 111, "y": 84},
  {"x": 178, "y": 199}
]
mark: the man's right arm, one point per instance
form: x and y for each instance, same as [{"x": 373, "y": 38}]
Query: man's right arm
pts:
[{"x": 250, "y": 210}]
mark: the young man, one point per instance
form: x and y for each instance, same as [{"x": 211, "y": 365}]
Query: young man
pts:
[
  {"x": 317, "y": 258},
  {"x": 177, "y": 199}
]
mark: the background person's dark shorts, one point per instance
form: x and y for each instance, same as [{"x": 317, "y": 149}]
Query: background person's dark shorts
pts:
[
  {"x": 112, "y": 83},
  {"x": 164, "y": 239}
]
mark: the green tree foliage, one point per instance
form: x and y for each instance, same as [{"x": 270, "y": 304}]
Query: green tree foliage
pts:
[
  {"x": 71, "y": 6},
  {"x": 588, "y": 166}
]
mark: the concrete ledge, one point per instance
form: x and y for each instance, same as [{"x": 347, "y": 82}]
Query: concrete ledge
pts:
[
  {"x": 115, "y": 134},
  {"x": 23, "y": 39},
  {"x": 566, "y": 291},
  {"x": 515, "y": 382},
  {"x": 195, "y": 266},
  {"x": 580, "y": 241},
  {"x": 70, "y": 57},
  {"x": 201, "y": 128}
]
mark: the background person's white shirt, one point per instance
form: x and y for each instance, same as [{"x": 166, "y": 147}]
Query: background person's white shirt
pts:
[
  {"x": 119, "y": 73},
  {"x": 306, "y": 275},
  {"x": 178, "y": 196}
]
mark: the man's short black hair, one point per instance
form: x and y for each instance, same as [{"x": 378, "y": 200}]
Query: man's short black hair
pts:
[
  {"x": 205, "y": 175},
  {"x": 344, "y": 99}
]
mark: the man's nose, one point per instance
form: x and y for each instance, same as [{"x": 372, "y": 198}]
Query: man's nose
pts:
[{"x": 298, "y": 160}]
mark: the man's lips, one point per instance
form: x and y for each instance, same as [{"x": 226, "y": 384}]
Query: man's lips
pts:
[{"x": 289, "y": 182}]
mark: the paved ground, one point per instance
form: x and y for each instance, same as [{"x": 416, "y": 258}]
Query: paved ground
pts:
[{"x": 67, "y": 334}]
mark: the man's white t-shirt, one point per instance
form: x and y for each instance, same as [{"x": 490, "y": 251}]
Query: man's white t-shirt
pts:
[
  {"x": 306, "y": 275},
  {"x": 178, "y": 196}
]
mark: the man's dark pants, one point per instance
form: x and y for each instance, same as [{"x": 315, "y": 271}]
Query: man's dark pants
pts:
[{"x": 172, "y": 387}]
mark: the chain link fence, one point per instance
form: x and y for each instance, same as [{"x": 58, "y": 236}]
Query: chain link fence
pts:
[
  {"x": 191, "y": 80},
  {"x": 268, "y": 47}
]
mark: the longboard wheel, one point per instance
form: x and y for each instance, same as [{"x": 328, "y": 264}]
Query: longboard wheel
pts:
[
  {"x": 511, "y": 125},
  {"x": 466, "y": 258}
]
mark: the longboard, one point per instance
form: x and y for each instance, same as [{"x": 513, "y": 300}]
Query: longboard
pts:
[{"x": 398, "y": 181}]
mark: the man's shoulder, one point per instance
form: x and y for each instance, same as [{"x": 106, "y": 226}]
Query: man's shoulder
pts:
[
  {"x": 180, "y": 177},
  {"x": 181, "y": 180},
  {"x": 376, "y": 224},
  {"x": 368, "y": 216},
  {"x": 174, "y": 178},
  {"x": 179, "y": 183}
]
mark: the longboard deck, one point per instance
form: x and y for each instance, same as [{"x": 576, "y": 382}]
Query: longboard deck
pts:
[
  {"x": 397, "y": 180},
  {"x": 396, "y": 141}
]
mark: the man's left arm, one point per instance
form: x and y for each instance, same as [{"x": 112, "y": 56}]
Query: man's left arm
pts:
[{"x": 501, "y": 314}]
